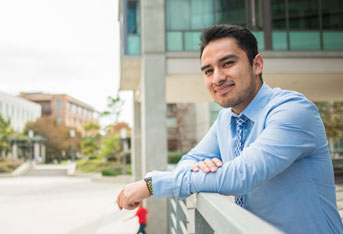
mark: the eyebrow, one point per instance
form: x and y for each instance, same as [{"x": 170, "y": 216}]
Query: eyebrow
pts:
[
  {"x": 228, "y": 57},
  {"x": 220, "y": 60}
]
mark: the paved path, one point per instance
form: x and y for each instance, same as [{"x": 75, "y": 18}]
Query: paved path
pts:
[{"x": 61, "y": 205}]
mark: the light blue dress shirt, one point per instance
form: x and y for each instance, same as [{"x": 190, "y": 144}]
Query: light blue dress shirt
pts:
[{"x": 284, "y": 170}]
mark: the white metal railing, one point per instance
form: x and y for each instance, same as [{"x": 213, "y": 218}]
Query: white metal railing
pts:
[{"x": 207, "y": 213}]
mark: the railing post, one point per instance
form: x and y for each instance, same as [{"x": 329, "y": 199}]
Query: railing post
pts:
[
  {"x": 201, "y": 226},
  {"x": 172, "y": 216}
]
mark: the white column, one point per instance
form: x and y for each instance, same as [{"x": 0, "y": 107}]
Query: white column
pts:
[
  {"x": 14, "y": 151},
  {"x": 36, "y": 150},
  {"x": 136, "y": 150},
  {"x": 153, "y": 109},
  {"x": 43, "y": 151}
]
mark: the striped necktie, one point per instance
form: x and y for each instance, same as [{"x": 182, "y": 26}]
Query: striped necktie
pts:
[{"x": 240, "y": 122}]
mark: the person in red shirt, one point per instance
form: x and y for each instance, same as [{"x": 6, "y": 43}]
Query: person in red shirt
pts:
[
  {"x": 142, "y": 218},
  {"x": 141, "y": 213}
]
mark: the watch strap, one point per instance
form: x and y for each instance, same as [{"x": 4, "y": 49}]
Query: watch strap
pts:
[{"x": 148, "y": 181}]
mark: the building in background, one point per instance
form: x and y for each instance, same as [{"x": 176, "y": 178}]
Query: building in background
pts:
[
  {"x": 64, "y": 108},
  {"x": 301, "y": 42},
  {"x": 18, "y": 110}
]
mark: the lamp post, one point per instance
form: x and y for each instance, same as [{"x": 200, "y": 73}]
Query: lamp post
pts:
[
  {"x": 31, "y": 134},
  {"x": 72, "y": 135},
  {"x": 123, "y": 136}
]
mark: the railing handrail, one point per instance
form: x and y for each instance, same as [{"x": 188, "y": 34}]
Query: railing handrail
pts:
[{"x": 224, "y": 216}]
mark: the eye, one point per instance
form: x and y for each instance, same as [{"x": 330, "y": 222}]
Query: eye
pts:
[
  {"x": 208, "y": 72},
  {"x": 228, "y": 63}
]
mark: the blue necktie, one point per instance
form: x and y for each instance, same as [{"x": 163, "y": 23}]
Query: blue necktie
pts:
[{"x": 240, "y": 122}]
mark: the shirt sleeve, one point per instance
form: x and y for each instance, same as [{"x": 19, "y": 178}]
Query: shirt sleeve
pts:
[
  {"x": 288, "y": 136},
  {"x": 206, "y": 148},
  {"x": 164, "y": 184}
]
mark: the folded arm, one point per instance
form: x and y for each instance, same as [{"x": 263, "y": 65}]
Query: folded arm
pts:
[{"x": 288, "y": 136}]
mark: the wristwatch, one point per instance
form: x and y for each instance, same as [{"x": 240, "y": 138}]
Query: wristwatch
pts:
[{"x": 148, "y": 181}]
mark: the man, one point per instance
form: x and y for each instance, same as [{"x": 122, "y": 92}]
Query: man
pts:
[{"x": 267, "y": 147}]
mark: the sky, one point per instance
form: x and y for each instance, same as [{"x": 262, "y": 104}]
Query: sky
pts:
[{"x": 64, "y": 46}]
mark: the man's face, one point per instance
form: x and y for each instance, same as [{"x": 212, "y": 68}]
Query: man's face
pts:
[{"x": 229, "y": 77}]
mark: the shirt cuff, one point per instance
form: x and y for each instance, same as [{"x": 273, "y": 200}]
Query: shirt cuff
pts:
[{"x": 162, "y": 184}]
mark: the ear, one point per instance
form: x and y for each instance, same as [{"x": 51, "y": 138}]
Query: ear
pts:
[{"x": 258, "y": 65}]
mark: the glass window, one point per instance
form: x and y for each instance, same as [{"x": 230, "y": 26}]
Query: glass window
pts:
[
  {"x": 171, "y": 122},
  {"x": 133, "y": 44},
  {"x": 201, "y": 14},
  {"x": 192, "y": 40},
  {"x": 333, "y": 40},
  {"x": 303, "y": 14},
  {"x": 279, "y": 40},
  {"x": 58, "y": 105},
  {"x": 174, "y": 41},
  {"x": 260, "y": 39},
  {"x": 230, "y": 12},
  {"x": 189, "y": 14},
  {"x": 133, "y": 40},
  {"x": 332, "y": 14},
  {"x": 59, "y": 120},
  {"x": 278, "y": 11},
  {"x": 332, "y": 17},
  {"x": 184, "y": 21},
  {"x": 304, "y": 40}
]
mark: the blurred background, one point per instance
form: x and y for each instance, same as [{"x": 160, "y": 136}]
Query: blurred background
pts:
[{"x": 110, "y": 90}]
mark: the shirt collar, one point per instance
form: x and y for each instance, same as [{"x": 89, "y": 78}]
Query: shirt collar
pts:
[{"x": 254, "y": 107}]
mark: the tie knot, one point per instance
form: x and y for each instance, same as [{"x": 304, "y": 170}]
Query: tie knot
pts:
[{"x": 240, "y": 121}]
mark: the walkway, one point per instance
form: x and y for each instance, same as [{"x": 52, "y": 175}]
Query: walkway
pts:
[{"x": 61, "y": 205}]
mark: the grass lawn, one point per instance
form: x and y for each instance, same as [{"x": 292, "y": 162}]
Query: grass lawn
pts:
[{"x": 105, "y": 168}]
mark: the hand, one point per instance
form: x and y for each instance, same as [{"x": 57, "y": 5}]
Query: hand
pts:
[
  {"x": 208, "y": 165},
  {"x": 132, "y": 194}
]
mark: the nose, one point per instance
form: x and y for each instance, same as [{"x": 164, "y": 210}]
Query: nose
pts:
[{"x": 218, "y": 76}]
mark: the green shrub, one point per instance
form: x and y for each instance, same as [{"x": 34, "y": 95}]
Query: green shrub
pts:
[
  {"x": 105, "y": 168},
  {"x": 3, "y": 169},
  {"x": 114, "y": 171},
  {"x": 174, "y": 157},
  {"x": 7, "y": 165}
]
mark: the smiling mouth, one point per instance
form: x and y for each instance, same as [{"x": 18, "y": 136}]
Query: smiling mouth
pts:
[{"x": 224, "y": 89}]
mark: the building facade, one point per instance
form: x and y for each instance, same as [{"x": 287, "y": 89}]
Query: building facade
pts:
[
  {"x": 301, "y": 42},
  {"x": 18, "y": 111},
  {"x": 64, "y": 108}
]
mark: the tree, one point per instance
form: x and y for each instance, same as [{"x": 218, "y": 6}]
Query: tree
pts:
[
  {"x": 332, "y": 115},
  {"x": 111, "y": 148},
  {"x": 58, "y": 141},
  {"x": 5, "y": 132},
  {"x": 91, "y": 128},
  {"x": 90, "y": 144},
  {"x": 114, "y": 106}
]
